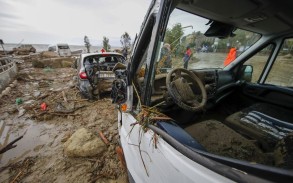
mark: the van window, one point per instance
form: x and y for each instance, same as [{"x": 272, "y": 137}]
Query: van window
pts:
[
  {"x": 282, "y": 70},
  {"x": 63, "y": 47},
  {"x": 186, "y": 31},
  {"x": 258, "y": 62}
]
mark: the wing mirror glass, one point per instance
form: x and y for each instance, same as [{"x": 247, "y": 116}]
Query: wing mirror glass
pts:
[{"x": 246, "y": 73}]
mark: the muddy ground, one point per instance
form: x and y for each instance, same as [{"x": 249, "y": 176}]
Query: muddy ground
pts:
[{"x": 39, "y": 155}]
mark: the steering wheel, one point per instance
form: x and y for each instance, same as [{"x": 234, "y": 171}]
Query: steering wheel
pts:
[{"x": 182, "y": 93}]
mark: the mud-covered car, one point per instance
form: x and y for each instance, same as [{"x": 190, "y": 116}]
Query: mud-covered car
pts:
[
  {"x": 228, "y": 116},
  {"x": 95, "y": 73}
]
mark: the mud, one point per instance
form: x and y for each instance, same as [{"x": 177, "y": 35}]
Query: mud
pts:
[
  {"x": 219, "y": 139},
  {"x": 39, "y": 156}
]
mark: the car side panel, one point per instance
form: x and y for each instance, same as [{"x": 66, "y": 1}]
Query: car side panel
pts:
[{"x": 159, "y": 162}]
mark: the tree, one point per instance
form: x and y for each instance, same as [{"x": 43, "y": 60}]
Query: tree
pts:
[
  {"x": 173, "y": 35},
  {"x": 125, "y": 41},
  {"x": 87, "y": 43},
  {"x": 106, "y": 44}
]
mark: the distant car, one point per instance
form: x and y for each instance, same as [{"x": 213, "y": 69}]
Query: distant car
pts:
[
  {"x": 61, "y": 49},
  {"x": 95, "y": 73}
]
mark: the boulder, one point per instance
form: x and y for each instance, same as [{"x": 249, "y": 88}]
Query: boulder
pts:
[{"x": 83, "y": 143}]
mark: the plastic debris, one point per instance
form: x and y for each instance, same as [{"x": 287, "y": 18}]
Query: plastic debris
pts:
[
  {"x": 18, "y": 101},
  {"x": 44, "y": 106},
  {"x": 48, "y": 69}
]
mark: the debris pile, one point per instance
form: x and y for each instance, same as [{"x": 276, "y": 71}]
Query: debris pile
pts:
[{"x": 47, "y": 109}]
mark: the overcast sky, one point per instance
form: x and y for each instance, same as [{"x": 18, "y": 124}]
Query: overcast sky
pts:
[{"x": 68, "y": 21}]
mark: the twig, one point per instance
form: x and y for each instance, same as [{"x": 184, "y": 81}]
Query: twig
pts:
[
  {"x": 104, "y": 138},
  {"x": 19, "y": 174},
  {"x": 10, "y": 145},
  {"x": 121, "y": 158},
  {"x": 160, "y": 118},
  {"x": 64, "y": 96},
  {"x": 139, "y": 149}
]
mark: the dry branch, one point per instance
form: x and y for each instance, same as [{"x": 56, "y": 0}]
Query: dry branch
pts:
[{"x": 10, "y": 145}]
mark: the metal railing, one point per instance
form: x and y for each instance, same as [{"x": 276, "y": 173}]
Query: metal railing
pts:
[{"x": 6, "y": 63}]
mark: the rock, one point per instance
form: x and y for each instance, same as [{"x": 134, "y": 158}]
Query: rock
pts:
[
  {"x": 21, "y": 112},
  {"x": 83, "y": 144},
  {"x": 5, "y": 92},
  {"x": 12, "y": 85},
  {"x": 36, "y": 93},
  {"x": 15, "y": 82},
  {"x": 8, "y": 89}
]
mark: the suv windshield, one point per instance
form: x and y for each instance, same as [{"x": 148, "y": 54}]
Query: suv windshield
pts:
[{"x": 185, "y": 41}]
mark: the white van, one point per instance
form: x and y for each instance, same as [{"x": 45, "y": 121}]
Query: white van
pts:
[{"x": 62, "y": 49}]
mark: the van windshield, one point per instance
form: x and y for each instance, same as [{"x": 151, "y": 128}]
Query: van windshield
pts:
[
  {"x": 63, "y": 47},
  {"x": 185, "y": 44}
]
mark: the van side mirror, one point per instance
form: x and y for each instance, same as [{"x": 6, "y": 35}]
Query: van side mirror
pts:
[{"x": 246, "y": 73}]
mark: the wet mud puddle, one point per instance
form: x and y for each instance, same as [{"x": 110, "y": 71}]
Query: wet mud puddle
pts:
[{"x": 35, "y": 137}]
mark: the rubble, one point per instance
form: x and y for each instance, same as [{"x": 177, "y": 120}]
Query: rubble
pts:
[
  {"x": 24, "y": 49},
  {"x": 53, "y": 62},
  {"x": 40, "y": 155}
]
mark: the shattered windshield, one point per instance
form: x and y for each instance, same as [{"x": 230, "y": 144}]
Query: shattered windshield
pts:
[{"x": 185, "y": 44}]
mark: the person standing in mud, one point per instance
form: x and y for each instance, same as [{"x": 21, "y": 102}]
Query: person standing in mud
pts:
[
  {"x": 186, "y": 57},
  {"x": 231, "y": 56},
  {"x": 165, "y": 56}
]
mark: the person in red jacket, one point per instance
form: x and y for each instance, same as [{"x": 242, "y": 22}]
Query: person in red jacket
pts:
[
  {"x": 186, "y": 57},
  {"x": 103, "y": 50},
  {"x": 231, "y": 56}
]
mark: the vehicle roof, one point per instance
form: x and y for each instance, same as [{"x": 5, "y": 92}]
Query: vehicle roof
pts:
[
  {"x": 59, "y": 44},
  {"x": 261, "y": 16},
  {"x": 100, "y": 53}
]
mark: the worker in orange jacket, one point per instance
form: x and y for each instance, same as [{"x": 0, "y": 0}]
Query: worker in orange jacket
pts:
[{"x": 231, "y": 56}]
